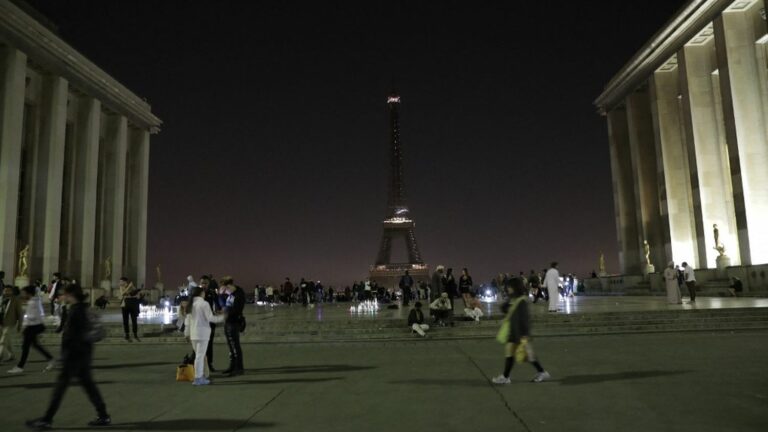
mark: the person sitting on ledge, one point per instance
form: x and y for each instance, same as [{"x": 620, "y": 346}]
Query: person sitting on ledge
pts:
[
  {"x": 441, "y": 309},
  {"x": 473, "y": 311},
  {"x": 416, "y": 320}
]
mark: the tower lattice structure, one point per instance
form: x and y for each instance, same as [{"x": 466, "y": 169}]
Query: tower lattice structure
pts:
[{"x": 398, "y": 222}]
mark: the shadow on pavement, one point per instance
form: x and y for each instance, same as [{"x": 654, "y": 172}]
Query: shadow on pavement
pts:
[
  {"x": 467, "y": 382},
  {"x": 185, "y": 425},
  {"x": 310, "y": 369},
  {"x": 46, "y": 385},
  {"x": 278, "y": 381},
  {"x": 131, "y": 365},
  {"x": 619, "y": 376}
]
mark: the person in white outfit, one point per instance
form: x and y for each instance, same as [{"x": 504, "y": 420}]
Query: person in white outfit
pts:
[
  {"x": 197, "y": 329},
  {"x": 473, "y": 310},
  {"x": 670, "y": 282},
  {"x": 552, "y": 283}
]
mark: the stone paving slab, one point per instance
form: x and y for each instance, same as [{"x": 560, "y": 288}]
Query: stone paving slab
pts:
[{"x": 713, "y": 381}]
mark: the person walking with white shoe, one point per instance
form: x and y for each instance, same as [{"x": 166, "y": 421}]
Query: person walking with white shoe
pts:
[
  {"x": 32, "y": 327},
  {"x": 197, "y": 329},
  {"x": 518, "y": 340}
]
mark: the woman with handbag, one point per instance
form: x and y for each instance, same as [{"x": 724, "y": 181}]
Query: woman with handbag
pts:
[
  {"x": 129, "y": 307},
  {"x": 515, "y": 333},
  {"x": 197, "y": 329},
  {"x": 32, "y": 325}
]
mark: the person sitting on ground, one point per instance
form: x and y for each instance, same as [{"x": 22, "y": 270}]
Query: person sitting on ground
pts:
[
  {"x": 473, "y": 311},
  {"x": 736, "y": 286},
  {"x": 416, "y": 320},
  {"x": 441, "y": 308}
]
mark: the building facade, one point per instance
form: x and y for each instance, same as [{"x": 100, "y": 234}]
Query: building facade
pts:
[
  {"x": 689, "y": 141},
  {"x": 74, "y": 160}
]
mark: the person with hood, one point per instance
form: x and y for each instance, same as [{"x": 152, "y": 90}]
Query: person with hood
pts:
[
  {"x": 197, "y": 329},
  {"x": 76, "y": 361},
  {"x": 552, "y": 284},
  {"x": 670, "y": 282},
  {"x": 518, "y": 314},
  {"x": 441, "y": 309}
]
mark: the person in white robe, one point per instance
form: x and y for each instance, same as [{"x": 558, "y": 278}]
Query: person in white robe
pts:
[{"x": 552, "y": 283}]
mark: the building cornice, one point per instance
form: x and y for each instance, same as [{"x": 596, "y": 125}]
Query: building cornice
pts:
[
  {"x": 690, "y": 20},
  {"x": 49, "y": 51}
]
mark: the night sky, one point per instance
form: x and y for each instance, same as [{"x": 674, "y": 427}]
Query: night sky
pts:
[{"x": 273, "y": 157}]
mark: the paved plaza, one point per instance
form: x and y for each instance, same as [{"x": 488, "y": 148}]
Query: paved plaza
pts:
[{"x": 704, "y": 381}]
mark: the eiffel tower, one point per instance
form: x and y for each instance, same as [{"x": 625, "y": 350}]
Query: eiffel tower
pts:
[{"x": 398, "y": 223}]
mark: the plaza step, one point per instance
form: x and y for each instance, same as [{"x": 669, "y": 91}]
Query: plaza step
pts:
[{"x": 281, "y": 331}]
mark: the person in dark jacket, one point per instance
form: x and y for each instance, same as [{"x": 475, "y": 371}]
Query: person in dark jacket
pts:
[
  {"x": 437, "y": 283},
  {"x": 234, "y": 309},
  {"x": 76, "y": 359},
  {"x": 210, "y": 295},
  {"x": 416, "y": 320},
  {"x": 406, "y": 282},
  {"x": 449, "y": 284},
  {"x": 465, "y": 287},
  {"x": 519, "y": 334}
]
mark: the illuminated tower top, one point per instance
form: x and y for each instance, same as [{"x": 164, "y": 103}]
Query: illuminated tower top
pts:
[{"x": 396, "y": 203}]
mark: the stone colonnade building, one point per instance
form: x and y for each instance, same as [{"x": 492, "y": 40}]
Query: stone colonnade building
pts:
[
  {"x": 74, "y": 159},
  {"x": 689, "y": 140}
]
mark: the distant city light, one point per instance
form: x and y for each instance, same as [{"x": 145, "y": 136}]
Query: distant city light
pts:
[{"x": 393, "y": 99}]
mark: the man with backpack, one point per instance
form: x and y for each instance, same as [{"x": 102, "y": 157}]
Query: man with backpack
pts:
[{"x": 77, "y": 341}]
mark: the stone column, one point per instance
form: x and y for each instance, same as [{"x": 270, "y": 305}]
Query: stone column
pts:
[
  {"x": 643, "y": 150},
  {"x": 113, "y": 193},
  {"x": 50, "y": 174},
  {"x": 84, "y": 194},
  {"x": 136, "y": 212},
  {"x": 709, "y": 149},
  {"x": 13, "y": 67},
  {"x": 623, "y": 192},
  {"x": 676, "y": 202},
  {"x": 736, "y": 33}
]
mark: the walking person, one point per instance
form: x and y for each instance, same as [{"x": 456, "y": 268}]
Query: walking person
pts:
[
  {"x": 11, "y": 316},
  {"x": 288, "y": 291},
  {"x": 670, "y": 282},
  {"x": 465, "y": 287},
  {"x": 518, "y": 341},
  {"x": 416, "y": 320},
  {"x": 76, "y": 357},
  {"x": 406, "y": 282},
  {"x": 129, "y": 307},
  {"x": 210, "y": 295},
  {"x": 32, "y": 327},
  {"x": 552, "y": 284},
  {"x": 197, "y": 329},
  {"x": 690, "y": 281},
  {"x": 53, "y": 294},
  {"x": 233, "y": 324}
]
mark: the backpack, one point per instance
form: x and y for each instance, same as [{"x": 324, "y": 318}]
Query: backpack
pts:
[{"x": 96, "y": 331}]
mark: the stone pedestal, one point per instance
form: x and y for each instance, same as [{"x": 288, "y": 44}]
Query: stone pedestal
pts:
[
  {"x": 602, "y": 275},
  {"x": 106, "y": 288},
  {"x": 649, "y": 269},
  {"x": 160, "y": 289},
  {"x": 21, "y": 281},
  {"x": 723, "y": 262}
]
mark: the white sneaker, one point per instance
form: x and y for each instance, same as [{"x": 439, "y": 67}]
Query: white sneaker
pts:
[
  {"x": 541, "y": 376},
  {"x": 49, "y": 367},
  {"x": 16, "y": 370},
  {"x": 501, "y": 379}
]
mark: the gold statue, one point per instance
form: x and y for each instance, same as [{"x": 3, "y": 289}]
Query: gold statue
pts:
[
  {"x": 24, "y": 262},
  {"x": 601, "y": 266},
  {"x": 108, "y": 268},
  {"x": 647, "y": 252},
  {"x": 719, "y": 247},
  {"x": 159, "y": 274}
]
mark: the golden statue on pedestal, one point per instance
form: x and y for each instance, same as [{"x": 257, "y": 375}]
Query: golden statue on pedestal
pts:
[
  {"x": 24, "y": 262},
  {"x": 647, "y": 252},
  {"x": 159, "y": 274},
  {"x": 108, "y": 268},
  {"x": 719, "y": 247}
]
